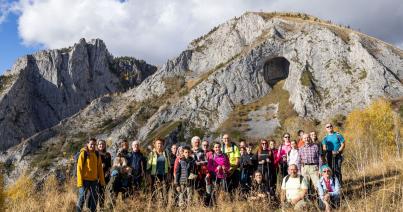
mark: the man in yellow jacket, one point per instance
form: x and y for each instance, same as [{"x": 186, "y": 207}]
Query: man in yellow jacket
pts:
[{"x": 89, "y": 174}]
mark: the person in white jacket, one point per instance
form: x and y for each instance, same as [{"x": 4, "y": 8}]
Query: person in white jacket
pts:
[{"x": 292, "y": 155}]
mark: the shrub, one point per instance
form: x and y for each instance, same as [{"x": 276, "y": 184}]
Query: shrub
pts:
[
  {"x": 21, "y": 190},
  {"x": 372, "y": 128}
]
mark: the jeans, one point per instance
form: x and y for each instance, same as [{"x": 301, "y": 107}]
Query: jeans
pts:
[{"x": 89, "y": 188}]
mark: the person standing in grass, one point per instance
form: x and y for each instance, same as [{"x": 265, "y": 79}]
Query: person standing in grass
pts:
[
  {"x": 294, "y": 188},
  {"x": 172, "y": 158},
  {"x": 137, "y": 162},
  {"x": 265, "y": 161},
  {"x": 283, "y": 150},
  {"x": 89, "y": 174},
  {"x": 200, "y": 157},
  {"x": 328, "y": 190},
  {"x": 185, "y": 177},
  {"x": 218, "y": 166},
  {"x": 232, "y": 151},
  {"x": 106, "y": 159},
  {"x": 309, "y": 160},
  {"x": 293, "y": 156},
  {"x": 158, "y": 166},
  {"x": 247, "y": 168},
  {"x": 333, "y": 145},
  {"x": 203, "y": 172}
]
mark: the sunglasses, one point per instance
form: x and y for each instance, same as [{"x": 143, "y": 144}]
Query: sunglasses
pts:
[
  {"x": 286, "y": 136},
  {"x": 329, "y": 126},
  {"x": 264, "y": 143}
]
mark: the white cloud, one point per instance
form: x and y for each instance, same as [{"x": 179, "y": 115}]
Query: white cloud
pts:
[{"x": 156, "y": 30}]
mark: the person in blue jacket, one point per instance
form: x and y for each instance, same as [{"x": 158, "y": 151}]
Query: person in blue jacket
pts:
[{"x": 328, "y": 189}]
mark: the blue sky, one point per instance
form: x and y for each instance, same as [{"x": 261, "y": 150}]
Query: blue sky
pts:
[
  {"x": 11, "y": 46},
  {"x": 158, "y": 30}
]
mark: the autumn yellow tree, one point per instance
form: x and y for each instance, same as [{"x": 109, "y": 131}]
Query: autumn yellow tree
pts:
[{"x": 372, "y": 128}]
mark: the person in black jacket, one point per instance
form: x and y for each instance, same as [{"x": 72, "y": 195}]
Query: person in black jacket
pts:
[
  {"x": 247, "y": 167},
  {"x": 185, "y": 177},
  {"x": 106, "y": 159},
  {"x": 137, "y": 162},
  {"x": 265, "y": 160}
]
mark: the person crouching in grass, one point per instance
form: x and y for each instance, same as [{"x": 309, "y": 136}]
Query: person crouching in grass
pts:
[
  {"x": 328, "y": 189},
  {"x": 294, "y": 189},
  {"x": 260, "y": 190}
]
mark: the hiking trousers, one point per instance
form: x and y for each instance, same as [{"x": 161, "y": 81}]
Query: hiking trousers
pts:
[
  {"x": 185, "y": 195},
  {"x": 334, "y": 161},
  {"x": 311, "y": 174},
  {"x": 89, "y": 189}
]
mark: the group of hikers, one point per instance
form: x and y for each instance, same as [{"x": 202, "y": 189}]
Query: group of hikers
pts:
[{"x": 307, "y": 168}]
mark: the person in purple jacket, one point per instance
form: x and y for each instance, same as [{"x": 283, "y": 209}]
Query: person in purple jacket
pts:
[{"x": 218, "y": 166}]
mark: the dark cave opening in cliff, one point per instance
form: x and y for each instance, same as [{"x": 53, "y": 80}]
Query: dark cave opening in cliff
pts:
[{"x": 275, "y": 69}]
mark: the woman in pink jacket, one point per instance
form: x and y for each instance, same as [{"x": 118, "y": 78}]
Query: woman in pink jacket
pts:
[
  {"x": 282, "y": 153},
  {"x": 218, "y": 166}
]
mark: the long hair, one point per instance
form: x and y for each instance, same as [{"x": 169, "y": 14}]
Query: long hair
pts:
[
  {"x": 260, "y": 149},
  {"x": 119, "y": 161}
]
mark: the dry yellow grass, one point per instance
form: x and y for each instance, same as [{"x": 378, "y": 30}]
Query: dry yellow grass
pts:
[{"x": 376, "y": 185}]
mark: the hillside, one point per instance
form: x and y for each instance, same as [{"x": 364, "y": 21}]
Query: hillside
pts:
[
  {"x": 252, "y": 75},
  {"x": 44, "y": 88}
]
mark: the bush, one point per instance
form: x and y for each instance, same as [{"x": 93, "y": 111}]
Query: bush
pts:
[
  {"x": 372, "y": 128},
  {"x": 21, "y": 190}
]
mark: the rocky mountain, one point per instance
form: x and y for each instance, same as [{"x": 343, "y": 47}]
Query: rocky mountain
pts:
[
  {"x": 250, "y": 76},
  {"x": 44, "y": 88}
]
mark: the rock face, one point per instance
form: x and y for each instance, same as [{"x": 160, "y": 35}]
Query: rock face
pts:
[
  {"x": 259, "y": 64},
  {"x": 48, "y": 86}
]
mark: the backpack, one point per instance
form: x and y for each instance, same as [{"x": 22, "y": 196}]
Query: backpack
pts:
[
  {"x": 76, "y": 156},
  {"x": 288, "y": 177},
  {"x": 223, "y": 148}
]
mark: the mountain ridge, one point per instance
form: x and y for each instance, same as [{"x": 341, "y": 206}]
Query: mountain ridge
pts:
[{"x": 305, "y": 71}]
